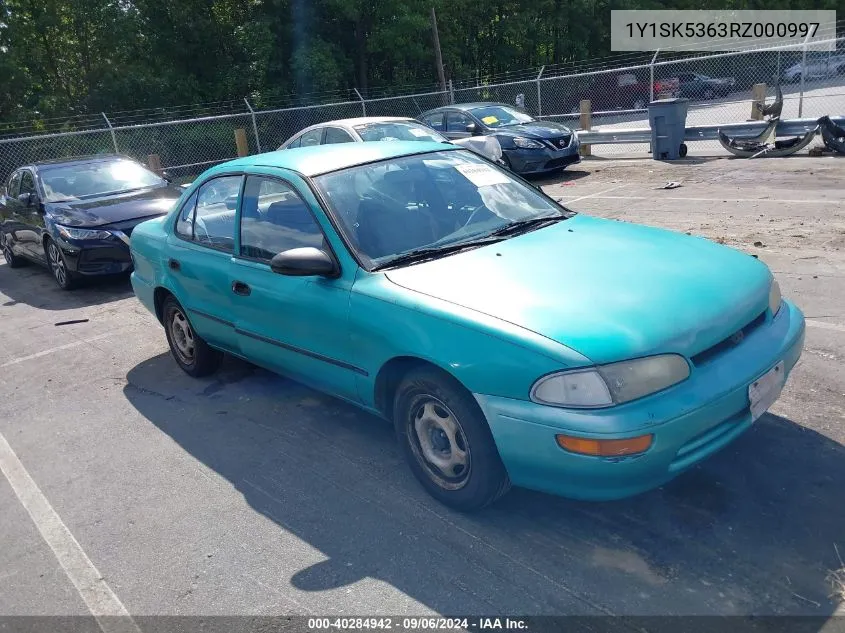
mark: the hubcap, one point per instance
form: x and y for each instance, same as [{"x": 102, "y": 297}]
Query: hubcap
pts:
[
  {"x": 441, "y": 444},
  {"x": 183, "y": 337},
  {"x": 57, "y": 264}
]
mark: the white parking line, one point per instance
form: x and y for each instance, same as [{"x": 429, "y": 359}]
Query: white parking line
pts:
[
  {"x": 825, "y": 325},
  {"x": 598, "y": 196},
  {"x": 45, "y": 352},
  {"x": 94, "y": 590}
]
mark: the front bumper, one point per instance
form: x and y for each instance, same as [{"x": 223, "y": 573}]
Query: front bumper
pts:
[
  {"x": 96, "y": 257},
  {"x": 689, "y": 422},
  {"x": 538, "y": 161}
]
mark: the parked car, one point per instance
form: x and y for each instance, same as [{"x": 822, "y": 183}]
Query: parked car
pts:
[
  {"x": 696, "y": 86},
  {"x": 508, "y": 339},
  {"x": 818, "y": 66},
  {"x": 75, "y": 215},
  {"x": 528, "y": 146},
  {"x": 383, "y": 128},
  {"x": 609, "y": 92}
]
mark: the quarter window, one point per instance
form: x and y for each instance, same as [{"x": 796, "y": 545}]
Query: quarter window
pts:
[
  {"x": 208, "y": 217},
  {"x": 27, "y": 183},
  {"x": 14, "y": 184},
  {"x": 274, "y": 219}
]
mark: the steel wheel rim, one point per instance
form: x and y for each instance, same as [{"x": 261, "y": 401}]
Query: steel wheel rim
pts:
[
  {"x": 439, "y": 443},
  {"x": 57, "y": 263},
  {"x": 182, "y": 335}
]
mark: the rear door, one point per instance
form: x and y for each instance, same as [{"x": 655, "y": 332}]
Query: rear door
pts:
[
  {"x": 294, "y": 325},
  {"x": 200, "y": 257}
]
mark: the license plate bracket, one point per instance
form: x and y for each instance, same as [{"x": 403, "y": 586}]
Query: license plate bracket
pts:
[{"x": 763, "y": 392}]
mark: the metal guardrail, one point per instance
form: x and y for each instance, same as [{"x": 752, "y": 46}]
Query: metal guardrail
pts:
[{"x": 786, "y": 127}]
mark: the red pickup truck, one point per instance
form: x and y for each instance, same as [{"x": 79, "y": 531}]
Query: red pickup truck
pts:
[{"x": 624, "y": 92}]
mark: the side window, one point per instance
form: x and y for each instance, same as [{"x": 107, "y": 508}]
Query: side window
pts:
[
  {"x": 14, "y": 185},
  {"x": 457, "y": 122},
  {"x": 312, "y": 138},
  {"x": 435, "y": 121},
  {"x": 185, "y": 222},
  {"x": 336, "y": 135},
  {"x": 295, "y": 143},
  {"x": 27, "y": 183},
  {"x": 279, "y": 221},
  {"x": 213, "y": 206}
]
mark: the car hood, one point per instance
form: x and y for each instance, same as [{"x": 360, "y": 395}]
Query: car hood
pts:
[
  {"x": 116, "y": 208},
  {"x": 534, "y": 129},
  {"x": 609, "y": 290}
]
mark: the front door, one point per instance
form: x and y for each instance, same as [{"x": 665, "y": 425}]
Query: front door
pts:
[
  {"x": 201, "y": 252},
  {"x": 456, "y": 124},
  {"x": 31, "y": 217},
  {"x": 294, "y": 325}
]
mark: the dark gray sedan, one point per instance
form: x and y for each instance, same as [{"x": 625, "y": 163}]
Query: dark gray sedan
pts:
[{"x": 528, "y": 146}]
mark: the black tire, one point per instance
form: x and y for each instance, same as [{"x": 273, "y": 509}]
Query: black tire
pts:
[
  {"x": 58, "y": 266},
  {"x": 682, "y": 150},
  {"x": 196, "y": 357},
  {"x": 14, "y": 261},
  {"x": 429, "y": 401}
]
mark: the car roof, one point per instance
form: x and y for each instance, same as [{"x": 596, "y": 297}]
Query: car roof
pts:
[
  {"x": 77, "y": 160},
  {"x": 321, "y": 159},
  {"x": 467, "y": 106},
  {"x": 362, "y": 120}
]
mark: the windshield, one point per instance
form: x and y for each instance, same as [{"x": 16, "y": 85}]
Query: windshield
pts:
[
  {"x": 398, "y": 131},
  {"x": 497, "y": 116},
  {"x": 429, "y": 200},
  {"x": 89, "y": 180}
]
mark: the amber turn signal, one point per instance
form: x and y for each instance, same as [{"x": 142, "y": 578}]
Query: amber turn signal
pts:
[{"x": 605, "y": 448}]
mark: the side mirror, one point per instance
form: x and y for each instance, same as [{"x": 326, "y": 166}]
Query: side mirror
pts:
[
  {"x": 232, "y": 202},
  {"x": 26, "y": 199},
  {"x": 472, "y": 128},
  {"x": 167, "y": 176},
  {"x": 303, "y": 262}
]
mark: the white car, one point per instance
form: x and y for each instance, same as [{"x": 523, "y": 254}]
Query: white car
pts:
[
  {"x": 384, "y": 128},
  {"x": 818, "y": 66}
]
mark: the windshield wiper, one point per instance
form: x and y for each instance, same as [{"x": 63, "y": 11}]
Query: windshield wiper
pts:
[
  {"x": 434, "y": 252},
  {"x": 528, "y": 224}
]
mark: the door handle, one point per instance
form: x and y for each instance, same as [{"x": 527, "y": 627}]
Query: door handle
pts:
[
  {"x": 240, "y": 288},
  {"x": 174, "y": 264}
]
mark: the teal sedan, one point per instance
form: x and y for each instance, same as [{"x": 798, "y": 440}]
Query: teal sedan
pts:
[{"x": 508, "y": 339}]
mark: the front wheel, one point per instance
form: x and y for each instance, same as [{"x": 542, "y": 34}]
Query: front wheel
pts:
[
  {"x": 58, "y": 266},
  {"x": 196, "y": 357},
  {"x": 447, "y": 442},
  {"x": 639, "y": 104}
]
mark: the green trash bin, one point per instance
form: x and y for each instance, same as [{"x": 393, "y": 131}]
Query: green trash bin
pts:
[{"x": 668, "y": 120}]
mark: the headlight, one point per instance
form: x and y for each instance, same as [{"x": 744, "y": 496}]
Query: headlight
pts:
[
  {"x": 526, "y": 143},
  {"x": 83, "y": 234},
  {"x": 615, "y": 383},
  {"x": 774, "y": 298}
]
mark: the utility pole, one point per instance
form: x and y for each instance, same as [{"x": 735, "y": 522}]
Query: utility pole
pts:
[{"x": 437, "y": 54}]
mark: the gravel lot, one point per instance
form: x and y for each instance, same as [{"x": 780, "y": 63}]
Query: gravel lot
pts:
[{"x": 246, "y": 493}]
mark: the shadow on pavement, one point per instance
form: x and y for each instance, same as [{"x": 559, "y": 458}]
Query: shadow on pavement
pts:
[
  {"x": 35, "y": 286},
  {"x": 751, "y": 531}
]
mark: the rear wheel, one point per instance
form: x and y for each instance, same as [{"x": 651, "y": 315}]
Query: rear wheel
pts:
[
  {"x": 58, "y": 266},
  {"x": 447, "y": 442},
  {"x": 191, "y": 352},
  {"x": 12, "y": 260}
]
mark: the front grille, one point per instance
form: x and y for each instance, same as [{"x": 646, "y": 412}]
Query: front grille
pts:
[
  {"x": 561, "y": 142},
  {"x": 730, "y": 342}
]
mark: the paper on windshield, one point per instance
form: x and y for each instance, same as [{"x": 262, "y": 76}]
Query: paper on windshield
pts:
[
  {"x": 418, "y": 132},
  {"x": 482, "y": 175},
  {"x": 489, "y": 120}
]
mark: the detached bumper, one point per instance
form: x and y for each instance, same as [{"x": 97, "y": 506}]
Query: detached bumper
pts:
[
  {"x": 538, "y": 161},
  {"x": 689, "y": 422},
  {"x": 93, "y": 258}
]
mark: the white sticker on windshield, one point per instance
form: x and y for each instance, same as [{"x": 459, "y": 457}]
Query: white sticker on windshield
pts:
[
  {"x": 482, "y": 175},
  {"x": 418, "y": 132}
]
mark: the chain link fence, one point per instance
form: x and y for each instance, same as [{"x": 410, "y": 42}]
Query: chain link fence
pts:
[{"x": 720, "y": 88}]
